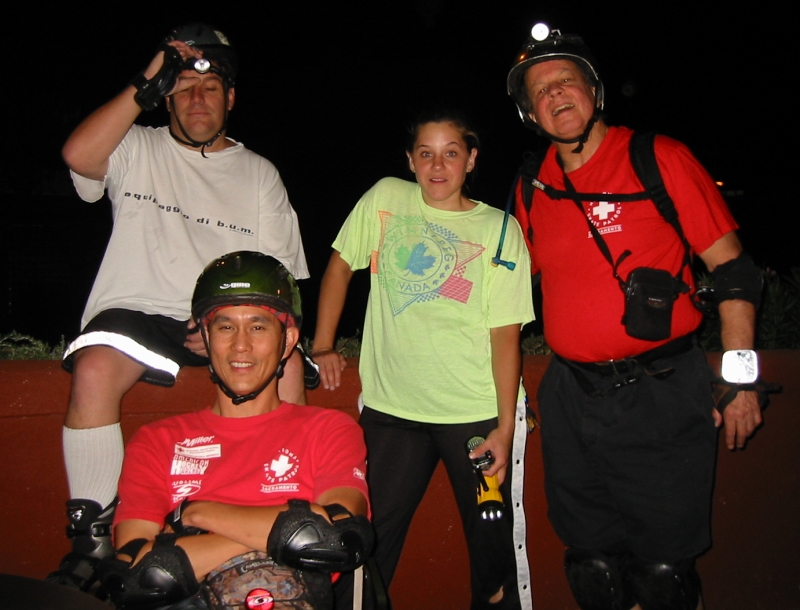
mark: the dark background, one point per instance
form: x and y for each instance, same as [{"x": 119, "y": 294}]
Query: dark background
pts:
[{"x": 326, "y": 95}]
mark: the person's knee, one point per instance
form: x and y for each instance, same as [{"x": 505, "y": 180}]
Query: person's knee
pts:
[
  {"x": 664, "y": 585},
  {"x": 597, "y": 580},
  {"x": 291, "y": 386},
  {"x": 100, "y": 378}
]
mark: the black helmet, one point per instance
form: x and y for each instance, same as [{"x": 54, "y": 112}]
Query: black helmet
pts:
[
  {"x": 215, "y": 47},
  {"x": 542, "y": 45},
  {"x": 246, "y": 278}
]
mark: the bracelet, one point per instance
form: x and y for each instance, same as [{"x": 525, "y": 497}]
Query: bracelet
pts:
[{"x": 324, "y": 350}]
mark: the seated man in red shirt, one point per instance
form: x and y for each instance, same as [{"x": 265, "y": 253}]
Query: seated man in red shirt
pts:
[{"x": 263, "y": 499}]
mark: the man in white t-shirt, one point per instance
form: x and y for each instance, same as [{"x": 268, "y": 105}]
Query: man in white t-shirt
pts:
[{"x": 181, "y": 196}]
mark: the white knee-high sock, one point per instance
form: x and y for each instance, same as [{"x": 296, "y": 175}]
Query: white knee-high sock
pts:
[{"x": 93, "y": 457}]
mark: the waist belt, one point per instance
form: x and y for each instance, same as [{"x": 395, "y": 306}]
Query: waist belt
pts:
[{"x": 627, "y": 370}]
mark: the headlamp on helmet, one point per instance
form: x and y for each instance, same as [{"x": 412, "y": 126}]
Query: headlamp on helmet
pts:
[
  {"x": 542, "y": 45},
  {"x": 216, "y": 50}
]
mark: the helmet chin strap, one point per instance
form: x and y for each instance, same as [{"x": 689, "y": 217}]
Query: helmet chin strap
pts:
[
  {"x": 581, "y": 139},
  {"x": 238, "y": 399}
]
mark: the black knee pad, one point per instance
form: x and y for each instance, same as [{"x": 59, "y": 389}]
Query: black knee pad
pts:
[
  {"x": 664, "y": 586},
  {"x": 595, "y": 578}
]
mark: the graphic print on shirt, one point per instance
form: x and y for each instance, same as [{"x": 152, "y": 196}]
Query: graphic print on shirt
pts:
[
  {"x": 192, "y": 457},
  {"x": 279, "y": 471},
  {"x": 173, "y": 211},
  {"x": 604, "y": 216},
  {"x": 421, "y": 261}
]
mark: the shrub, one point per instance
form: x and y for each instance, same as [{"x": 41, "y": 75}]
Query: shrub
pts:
[{"x": 16, "y": 346}]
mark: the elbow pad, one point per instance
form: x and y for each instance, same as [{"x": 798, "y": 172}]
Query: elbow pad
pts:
[
  {"x": 305, "y": 540},
  {"x": 163, "y": 576},
  {"x": 739, "y": 278}
]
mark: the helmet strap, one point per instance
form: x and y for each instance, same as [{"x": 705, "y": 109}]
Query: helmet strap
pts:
[{"x": 581, "y": 139}]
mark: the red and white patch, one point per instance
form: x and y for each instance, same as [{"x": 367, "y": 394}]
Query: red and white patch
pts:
[
  {"x": 604, "y": 213},
  {"x": 282, "y": 467}
]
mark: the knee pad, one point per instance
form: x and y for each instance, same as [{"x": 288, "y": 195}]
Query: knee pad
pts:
[
  {"x": 305, "y": 540},
  {"x": 664, "y": 586},
  {"x": 164, "y": 576},
  {"x": 596, "y": 579}
]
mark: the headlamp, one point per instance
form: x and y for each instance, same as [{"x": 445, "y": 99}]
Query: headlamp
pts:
[
  {"x": 200, "y": 65},
  {"x": 540, "y": 32}
]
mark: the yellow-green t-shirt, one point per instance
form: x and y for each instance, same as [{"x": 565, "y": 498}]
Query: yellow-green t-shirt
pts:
[{"x": 426, "y": 351}]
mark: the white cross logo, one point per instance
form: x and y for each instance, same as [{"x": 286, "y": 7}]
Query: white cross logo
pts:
[
  {"x": 602, "y": 210},
  {"x": 281, "y": 466}
]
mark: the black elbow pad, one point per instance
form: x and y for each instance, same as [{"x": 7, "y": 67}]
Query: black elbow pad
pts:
[
  {"x": 163, "y": 576},
  {"x": 305, "y": 540},
  {"x": 739, "y": 278}
]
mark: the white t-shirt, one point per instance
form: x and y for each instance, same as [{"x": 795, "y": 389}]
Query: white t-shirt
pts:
[{"x": 175, "y": 211}]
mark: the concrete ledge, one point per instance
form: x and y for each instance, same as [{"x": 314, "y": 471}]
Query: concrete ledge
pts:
[{"x": 756, "y": 534}]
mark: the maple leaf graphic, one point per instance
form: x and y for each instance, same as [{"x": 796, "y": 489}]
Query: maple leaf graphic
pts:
[
  {"x": 401, "y": 256},
  {"x": 415, "y": 261}
]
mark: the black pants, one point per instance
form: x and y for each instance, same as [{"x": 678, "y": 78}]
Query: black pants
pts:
[
  {"x": 402, "y": 456},
  {"x": 632, "y": 471}
]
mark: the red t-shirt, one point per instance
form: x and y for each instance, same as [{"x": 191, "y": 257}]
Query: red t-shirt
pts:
[
  {"x": 293, "y": 452},
  {"x": 583, "y": 303}
]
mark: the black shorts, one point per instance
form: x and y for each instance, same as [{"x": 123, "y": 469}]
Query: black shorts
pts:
[
  {"x": 153, "y": 341},
  {"x": 633, "y": 471}
]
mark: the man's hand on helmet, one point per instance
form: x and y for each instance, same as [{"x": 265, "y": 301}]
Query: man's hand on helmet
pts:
[
  {"x": 194, "y": 341},
  {"x": 186, "y": 52}
]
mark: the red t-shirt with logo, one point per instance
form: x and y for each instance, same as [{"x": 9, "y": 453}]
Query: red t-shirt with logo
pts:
[
  {"x": 293, "y": 452},
  {"x": 583, "y": 303}
]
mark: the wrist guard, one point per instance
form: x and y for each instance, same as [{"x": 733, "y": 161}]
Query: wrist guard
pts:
[
  {"x": 305, "y": 540},
  {"x": 725, "y": 392},
  {"x": 149, "y": 93}
]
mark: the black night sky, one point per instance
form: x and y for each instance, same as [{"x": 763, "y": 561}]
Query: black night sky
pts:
[{"x": 325, "y": 94}]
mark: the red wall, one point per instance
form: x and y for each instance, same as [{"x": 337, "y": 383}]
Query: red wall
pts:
[{"x": 756, "y": 534}]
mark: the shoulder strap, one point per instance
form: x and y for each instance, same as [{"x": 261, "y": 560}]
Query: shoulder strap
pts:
[
  {"x": 643, "y": 159},
  {"x": 531, "y": 164}
]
